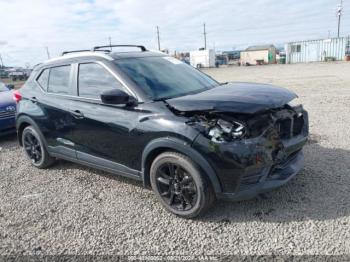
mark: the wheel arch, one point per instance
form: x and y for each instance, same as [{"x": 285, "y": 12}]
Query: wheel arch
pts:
[
  {"x": 21, "y": 123},
  {"x": 160, "y": 145}
]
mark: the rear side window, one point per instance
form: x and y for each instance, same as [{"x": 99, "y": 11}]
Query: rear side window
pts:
[
  {"x": 43, "y": 79},
  {"x": 59, "y": 80},
  {"x": 94, "y": 79}
]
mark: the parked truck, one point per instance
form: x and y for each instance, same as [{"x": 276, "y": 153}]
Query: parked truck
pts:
[{"x": 202, "y": 58}]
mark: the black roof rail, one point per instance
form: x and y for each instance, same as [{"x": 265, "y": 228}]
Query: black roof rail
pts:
[
  {"x": 96, "y": 48},
  {"x": 74, "y": 51}
]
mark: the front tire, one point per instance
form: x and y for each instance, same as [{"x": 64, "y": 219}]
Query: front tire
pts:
[
  {"x": 180, "y": 186},
  {"x": 34, "y": 148}
]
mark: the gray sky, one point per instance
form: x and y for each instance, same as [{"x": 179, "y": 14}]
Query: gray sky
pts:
[{"x": 27, "y": 26}]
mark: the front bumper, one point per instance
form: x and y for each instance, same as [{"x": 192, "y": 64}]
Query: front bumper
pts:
[
  {"x": 270, "y": 180},
  {"x": 248, "y": 167}
]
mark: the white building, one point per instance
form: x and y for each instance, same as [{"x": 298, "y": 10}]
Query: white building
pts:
[{"x": 317, "y": 50}]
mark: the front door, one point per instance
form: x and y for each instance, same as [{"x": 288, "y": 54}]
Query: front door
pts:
[{"x": 101, "y": 133}]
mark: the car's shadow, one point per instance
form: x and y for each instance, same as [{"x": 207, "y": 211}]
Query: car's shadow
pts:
[{"x": 320, "y": 192}]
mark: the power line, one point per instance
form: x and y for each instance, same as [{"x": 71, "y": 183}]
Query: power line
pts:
[{"x": 158, "y": 38}]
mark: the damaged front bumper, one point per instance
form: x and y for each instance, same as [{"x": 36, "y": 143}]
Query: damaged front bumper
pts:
[
  {"x": 271, "y": 178},
  {"x": 249, "y": 167}
]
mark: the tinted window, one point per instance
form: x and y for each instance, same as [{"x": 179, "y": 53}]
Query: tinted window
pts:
[
  {"x": 94, "y": 79},
  {"x": 59, "y": 80},
  {"x": 165, "y": 77},
  {"x": 43, "y": 79}
]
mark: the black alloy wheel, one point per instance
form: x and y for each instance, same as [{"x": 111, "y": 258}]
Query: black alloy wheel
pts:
[
  {"x": 32, "y": 147},
  {"x": 176, "y": 186},
  {"x": 180, "y": 185}
]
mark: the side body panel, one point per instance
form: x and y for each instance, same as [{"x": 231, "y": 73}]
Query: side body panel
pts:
[
  {"x": 120, "y": 134},
  {"x": 108, "y": 137}
]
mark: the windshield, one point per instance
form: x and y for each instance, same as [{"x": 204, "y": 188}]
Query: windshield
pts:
[
  {"x": 165, "y": 77},
  {"x": 3, "y": 88}
]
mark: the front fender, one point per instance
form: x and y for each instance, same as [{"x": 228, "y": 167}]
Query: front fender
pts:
[{"x": 171, "y": 143}]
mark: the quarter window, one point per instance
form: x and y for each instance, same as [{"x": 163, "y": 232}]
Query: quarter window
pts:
[
  {"x": 94, "y": 79},
  {"x": 43, "y": 79},
  {"x": 59, "y": 80}
]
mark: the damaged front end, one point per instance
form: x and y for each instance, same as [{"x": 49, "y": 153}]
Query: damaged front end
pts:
[
  {"x": 251, "y": 153},
  {"x": 217, "y": 129}
]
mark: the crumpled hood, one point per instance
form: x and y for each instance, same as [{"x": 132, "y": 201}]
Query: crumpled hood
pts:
[
  {"x": 6, "y": 99},
  {"x": 247, "y": 98}
]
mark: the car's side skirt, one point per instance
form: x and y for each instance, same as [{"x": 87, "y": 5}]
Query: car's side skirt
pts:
[{"x": 94, "y": 162}]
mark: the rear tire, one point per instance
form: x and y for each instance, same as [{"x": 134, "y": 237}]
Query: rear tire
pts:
[
  {"x": 180, "y": 185},
  {"x": 34, "y": 148}
]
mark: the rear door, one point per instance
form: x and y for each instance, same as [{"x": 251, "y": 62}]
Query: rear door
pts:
[
  {"x": 101, "y": 134},
  {"x": 54, "y": 119}
]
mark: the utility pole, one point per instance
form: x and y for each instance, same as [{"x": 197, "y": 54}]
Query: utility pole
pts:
[
  {"x": 339, "y": 14},
  {"x": 2, "y": 62},
  {"x": 158, "y": 38},
  {"x": 205, "y": 37},
  {"x": 47, "y": 52}
]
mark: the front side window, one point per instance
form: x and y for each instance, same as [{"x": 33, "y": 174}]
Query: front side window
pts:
[
  {"x": 43, "y": 79},
  {"x": 165, "y": 77},
  {"x": 94, "y": 79},
  {"x": 59, "y": 80}
]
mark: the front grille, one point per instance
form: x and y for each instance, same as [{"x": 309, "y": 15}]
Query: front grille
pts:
[
  {"x": 284, "y": 127},
  {"x": 298, "y": 124},
  {"x": 290, "y": 127},
  {"x": 7, "y": 114}
]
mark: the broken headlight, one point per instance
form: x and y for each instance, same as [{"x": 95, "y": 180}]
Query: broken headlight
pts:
[
  {"x": 226, "y": 131},
  {"x": 219, "y": 130}
]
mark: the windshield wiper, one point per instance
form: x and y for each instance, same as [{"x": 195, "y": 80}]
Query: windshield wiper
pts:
[{"x": 164, "y": 98}]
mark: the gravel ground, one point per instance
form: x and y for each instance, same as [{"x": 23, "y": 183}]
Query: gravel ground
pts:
[{"x": 72, "y": 209}]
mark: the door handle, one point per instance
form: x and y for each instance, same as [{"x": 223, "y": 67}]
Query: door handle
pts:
[
  {"x": 34, "y": 99},
  {"x": 77, "y": 114}
]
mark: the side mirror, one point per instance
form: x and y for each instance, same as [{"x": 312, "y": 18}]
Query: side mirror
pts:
[
  {"x": 10, "y": 87},
  {"x": 117, "y": 97}
]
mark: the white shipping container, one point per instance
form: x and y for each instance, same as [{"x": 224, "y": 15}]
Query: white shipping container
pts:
[
  {"x": 316, "y": 50},
  {"x": 202, "y": 58}
]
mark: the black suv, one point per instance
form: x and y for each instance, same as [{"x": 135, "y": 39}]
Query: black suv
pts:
[{"x": 150, "y": 117}]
